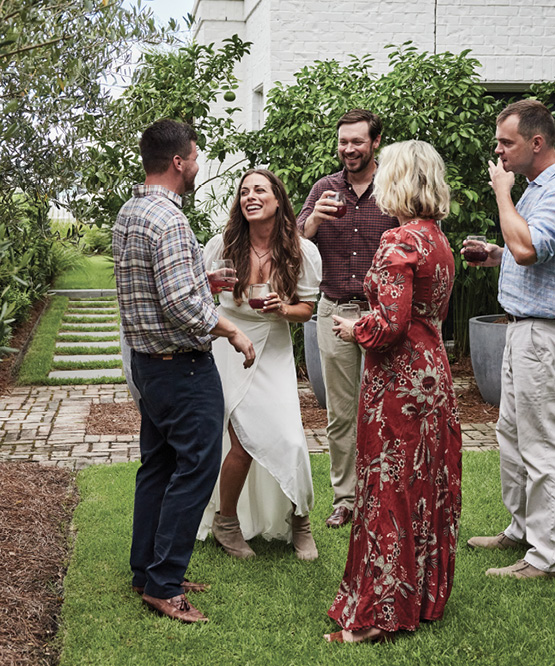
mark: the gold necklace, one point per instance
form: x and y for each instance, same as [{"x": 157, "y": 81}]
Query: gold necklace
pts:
[{"x": 260, "y": 264}]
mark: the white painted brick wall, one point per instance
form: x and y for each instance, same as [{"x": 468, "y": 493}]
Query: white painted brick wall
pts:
[{"x": 513, "y": 39}]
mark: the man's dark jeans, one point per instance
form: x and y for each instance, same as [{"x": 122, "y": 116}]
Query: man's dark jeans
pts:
[{"x": 182, "y": 409}]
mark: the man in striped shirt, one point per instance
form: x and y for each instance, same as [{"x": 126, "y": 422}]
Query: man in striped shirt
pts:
[
  {"x": 169, "y": 319},
  {"x": 347, "y": 245},
  {"x": 526, "y": 427}
]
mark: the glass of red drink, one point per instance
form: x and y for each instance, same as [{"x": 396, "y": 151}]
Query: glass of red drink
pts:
[
  {"x": 258, "y": 293},
  {"x": 341, "y": 208},
  {"x": 222, "y": 274},
  {"x": 474, "y": 250}
]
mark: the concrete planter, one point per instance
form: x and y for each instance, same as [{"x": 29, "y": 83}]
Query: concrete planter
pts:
[
  {"x": 312, "y": 358},
  {"x": 487, "y": 342}
]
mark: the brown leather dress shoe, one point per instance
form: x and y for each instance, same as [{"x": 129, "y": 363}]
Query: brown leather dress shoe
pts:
[
  {"x": 339, "y": 517},
  {"x": 187, "y": 586},
  {"x": 178, "y": 608}
]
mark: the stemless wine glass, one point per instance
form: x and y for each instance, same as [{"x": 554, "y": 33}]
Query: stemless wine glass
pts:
[
  {"x": 475, "y": 249},
  {"x": 258, "y": 293},
  {"x": 348, "y": 311},
  {"x": 342, "y": 208},
  {"x": 222, "y": 276}
]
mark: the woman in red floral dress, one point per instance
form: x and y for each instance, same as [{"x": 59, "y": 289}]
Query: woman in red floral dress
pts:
[{"x": 401, "y": 557}]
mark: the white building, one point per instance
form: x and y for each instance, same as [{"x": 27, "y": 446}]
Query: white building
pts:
[{"x": 513, "y": 39}]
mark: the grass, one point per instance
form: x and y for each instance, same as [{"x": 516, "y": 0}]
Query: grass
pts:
[
  {"x": 272, "y": 610},
  {"x": 95, "y": 272},
  {"x": 38, "y": 359}
]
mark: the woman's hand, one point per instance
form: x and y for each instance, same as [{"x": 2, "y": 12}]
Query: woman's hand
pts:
[
  {"x": 344, "y": 328},
  {"x": 274, "y": 304}
]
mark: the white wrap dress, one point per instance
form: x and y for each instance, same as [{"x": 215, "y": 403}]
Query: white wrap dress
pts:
[{"x": 262, "y": 403}]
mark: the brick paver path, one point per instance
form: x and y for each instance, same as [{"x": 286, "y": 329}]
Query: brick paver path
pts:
[{"x": 46, "y": 424}]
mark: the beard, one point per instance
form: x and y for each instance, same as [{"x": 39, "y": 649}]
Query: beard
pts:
[{"x": 364, "y": 162}]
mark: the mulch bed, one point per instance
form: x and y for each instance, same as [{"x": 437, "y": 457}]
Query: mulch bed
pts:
[{"x": 36, "y": 505}]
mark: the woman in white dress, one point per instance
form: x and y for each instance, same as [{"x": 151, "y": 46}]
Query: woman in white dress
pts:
[{"x": 265, "y": 484}]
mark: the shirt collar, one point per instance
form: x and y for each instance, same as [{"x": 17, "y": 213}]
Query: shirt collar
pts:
[
  {"x": 545, "y": 176},
  {"x": 142, "y": 190}
]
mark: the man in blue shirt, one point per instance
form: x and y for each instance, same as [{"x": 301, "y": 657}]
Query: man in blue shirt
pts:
[{"x": 526, "y": 427}]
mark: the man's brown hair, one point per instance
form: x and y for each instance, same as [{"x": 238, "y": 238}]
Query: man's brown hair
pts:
[
  {"x": 533, "y": 118},
  {"x": 362, "y": 115}
]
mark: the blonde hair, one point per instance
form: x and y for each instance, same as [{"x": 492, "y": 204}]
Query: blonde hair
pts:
[{"x": 410, "y": 181}]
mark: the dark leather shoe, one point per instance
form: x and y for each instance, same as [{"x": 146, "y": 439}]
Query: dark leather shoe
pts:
[
  {"x": 340, "y": 516},
  {"x": 178, "y": 608},
  {"x": 187, "y": 586}
]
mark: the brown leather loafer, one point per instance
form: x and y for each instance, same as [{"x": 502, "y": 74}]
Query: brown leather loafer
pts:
[
  {"x": 339, "y": 517},
  {"x": 178, "y": 608},
  {"x": 187, "y": 586}
]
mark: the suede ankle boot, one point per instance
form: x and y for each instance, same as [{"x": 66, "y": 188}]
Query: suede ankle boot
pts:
[
  {"x": 228, "y": 535},
  {"x": 302, "y": 538}
]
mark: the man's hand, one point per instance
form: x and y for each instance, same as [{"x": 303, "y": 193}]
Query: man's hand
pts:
[
  {"x": 221, "y": 280},
  {"x": 500, "y": 180},
  {"x": 243, "y": 345},
  {"x": 495, "y": 254},
  {"x": 343, "y": 328},
  {"x": 323, "y": 210},
  {"x": 226, "y": 329}
]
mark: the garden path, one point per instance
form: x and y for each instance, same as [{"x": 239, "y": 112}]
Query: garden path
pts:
[{"x": 47, "y": 424}]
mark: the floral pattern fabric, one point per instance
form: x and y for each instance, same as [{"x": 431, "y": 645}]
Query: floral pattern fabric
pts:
[{"x": 401, "y": 557}]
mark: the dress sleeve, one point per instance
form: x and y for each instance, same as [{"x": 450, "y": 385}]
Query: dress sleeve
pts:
[
  {"x": 311, "y": 272},
  {"x": 213, "y": 250},
  {"x": 390, "y": 283}
]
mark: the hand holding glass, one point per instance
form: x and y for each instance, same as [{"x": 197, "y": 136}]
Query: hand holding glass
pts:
[
  {"x": 342, "y": 208},
  {"x": 475, "y": 249},
  {"x": 348, "y": 311},
  {"x": 223, "y": 274},
  {"x": 258, "y": 293}
]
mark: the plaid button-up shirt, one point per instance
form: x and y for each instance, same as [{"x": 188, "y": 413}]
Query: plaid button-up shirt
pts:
[
  {"x": 163, "y": 291},
  {"x": 347, "y": 245}
]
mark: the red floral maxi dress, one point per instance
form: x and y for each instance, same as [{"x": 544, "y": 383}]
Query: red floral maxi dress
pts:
[{"x": 401, "y": 557}]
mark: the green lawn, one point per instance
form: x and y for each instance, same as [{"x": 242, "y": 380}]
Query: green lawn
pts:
[
  {"x": 94, "y": 272},
  {"x": 272, "y": 610}
]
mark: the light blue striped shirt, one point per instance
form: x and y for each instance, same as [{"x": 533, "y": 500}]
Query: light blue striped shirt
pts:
[{"x": 529, "y": 291}]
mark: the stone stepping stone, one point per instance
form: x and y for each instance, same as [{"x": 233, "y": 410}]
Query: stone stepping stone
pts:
[
  {"x": 101, "y": 344},
  {"x": 86, "y": 374},
  {"x": 84, "y": 358},
  {"x": 93, "y": 334},
  {"x": 84, "y": 326},
  {"x": 89, "y": 317}
]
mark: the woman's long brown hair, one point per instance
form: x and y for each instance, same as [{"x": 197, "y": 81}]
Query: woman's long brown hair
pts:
[{"x": 285, "y": 243}]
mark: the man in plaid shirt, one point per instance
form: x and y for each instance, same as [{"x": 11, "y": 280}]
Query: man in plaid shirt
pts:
[
  {"x": 347, "y": 245},
  {"x": 169, "y": 320}
]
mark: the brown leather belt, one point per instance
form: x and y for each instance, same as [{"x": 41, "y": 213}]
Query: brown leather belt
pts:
[
  {"x": 361, "y": 302},
  {"x": 168, "y": 356}
]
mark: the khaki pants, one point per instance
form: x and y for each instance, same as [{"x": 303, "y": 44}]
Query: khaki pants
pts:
[
  {"x": 526, "y": 435},
  {"x": 341, "y": 364}
]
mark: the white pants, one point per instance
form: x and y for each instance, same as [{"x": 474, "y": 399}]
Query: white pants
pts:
[
  {"x": 341, "y": 363},
  {"x": 526, "y": 435}
]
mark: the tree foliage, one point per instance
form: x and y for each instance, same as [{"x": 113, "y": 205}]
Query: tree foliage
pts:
[
  {"x": 184, "y": 84},
  {"x": 434, "y": 98},
  {"x": 54, "y": 56}
]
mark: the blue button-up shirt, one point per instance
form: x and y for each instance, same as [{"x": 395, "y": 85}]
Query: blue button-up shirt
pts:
[{"x": 529, "y": 291}]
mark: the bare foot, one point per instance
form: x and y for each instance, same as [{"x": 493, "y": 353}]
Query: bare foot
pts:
[{"x": 372, "y": 635}]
